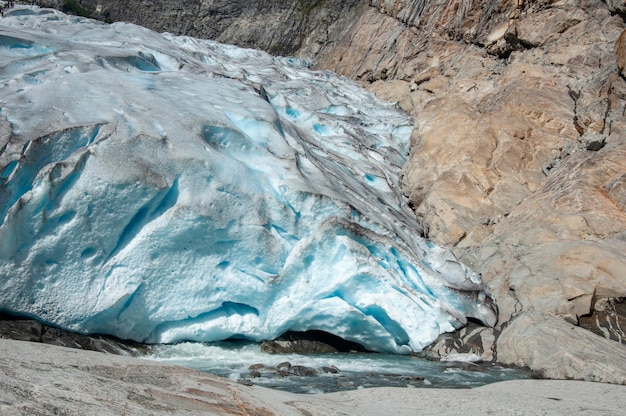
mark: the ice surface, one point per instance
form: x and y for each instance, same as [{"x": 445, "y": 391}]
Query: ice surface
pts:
[{"x": 163, "y": 188}]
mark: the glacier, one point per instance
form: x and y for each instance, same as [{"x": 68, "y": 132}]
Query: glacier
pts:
[{"x": 162, "y": 188}]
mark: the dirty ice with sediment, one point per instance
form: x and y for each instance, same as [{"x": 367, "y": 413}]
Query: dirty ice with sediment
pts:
[{"x": 163, "y": 188}]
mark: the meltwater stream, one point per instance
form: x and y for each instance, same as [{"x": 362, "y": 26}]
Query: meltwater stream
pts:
[{"x": 244, "y": 362}]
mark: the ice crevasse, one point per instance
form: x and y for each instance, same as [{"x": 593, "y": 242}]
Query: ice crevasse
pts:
[{"x": 162, "y": 188}]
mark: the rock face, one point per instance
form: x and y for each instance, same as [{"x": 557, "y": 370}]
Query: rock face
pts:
[
  {"x": 310, "y": 342},
  {"x": 281, "y": 27},
  {"x": 518, "y": 157},
  {"x": 518, "y": 161}
]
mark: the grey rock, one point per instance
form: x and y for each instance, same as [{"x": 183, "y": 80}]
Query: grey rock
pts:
[
  {"x": 529, "y": 340},
  {"x": 300, "y": 370},
  {"x": 309, "y": 342},
  {"x": 332, "y": 369},
  {"x": 473, "y": 339},
  {"x": 281, "y": 27},
  {"x": 296, "y": 347},
  {"x": 593, "y": 141},
  {"x": 31, "y": 330}
]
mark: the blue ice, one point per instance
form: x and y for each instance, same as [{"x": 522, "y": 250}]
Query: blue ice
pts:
[{"x": 199, "y": 191}]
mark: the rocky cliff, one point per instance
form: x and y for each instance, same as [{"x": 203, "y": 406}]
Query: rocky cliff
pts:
[
  {"x": 282, "y": 27},
  {"x": 518, "y": 157}
]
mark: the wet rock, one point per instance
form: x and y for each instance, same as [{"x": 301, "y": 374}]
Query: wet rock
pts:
[
  {"x": 300, "y": 370},
  {"x": 261, "y": 370},
  {"x": 284, "y": 364},
  {"x": 310, "y": 342},
  {"x": 21, "y": 329},
  {"x": 285, "y": 369},
  {"x": 17, "y": 328},
  {"x": 466, "y": 366},
  {"x": 332, "y": 369}
]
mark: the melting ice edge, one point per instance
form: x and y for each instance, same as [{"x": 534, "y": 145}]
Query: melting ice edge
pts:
[{"x": 163, "y": 188}]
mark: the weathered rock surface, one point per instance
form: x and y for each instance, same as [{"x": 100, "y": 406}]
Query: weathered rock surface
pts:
[
  {"x": 518, "y": 156},
  {"x": 530, "y": 340},
  {"x": 281, "y": 27}
]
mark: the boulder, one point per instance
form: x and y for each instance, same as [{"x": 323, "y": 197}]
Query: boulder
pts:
[
  {"x": 529, "y": 340},
  {"x": 473, "y": 340}
]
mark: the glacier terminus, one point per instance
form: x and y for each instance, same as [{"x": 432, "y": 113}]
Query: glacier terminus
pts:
[{"x": 162, "y": 188}]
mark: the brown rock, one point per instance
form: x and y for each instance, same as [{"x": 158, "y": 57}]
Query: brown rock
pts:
[{"x": 536, "y": 29}]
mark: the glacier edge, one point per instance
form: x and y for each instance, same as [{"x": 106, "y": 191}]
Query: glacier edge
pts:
[{"x": 162, "y": 188}]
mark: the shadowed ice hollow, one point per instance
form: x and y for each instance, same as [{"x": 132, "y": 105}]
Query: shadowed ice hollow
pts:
[{"x": 163, "y": 188}]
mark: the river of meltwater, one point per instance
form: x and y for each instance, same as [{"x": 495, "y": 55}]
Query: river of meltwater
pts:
[{"x": 325, "y": 373}]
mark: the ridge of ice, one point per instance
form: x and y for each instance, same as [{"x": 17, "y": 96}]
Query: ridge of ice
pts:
[{"x": 163, "y": 188}]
